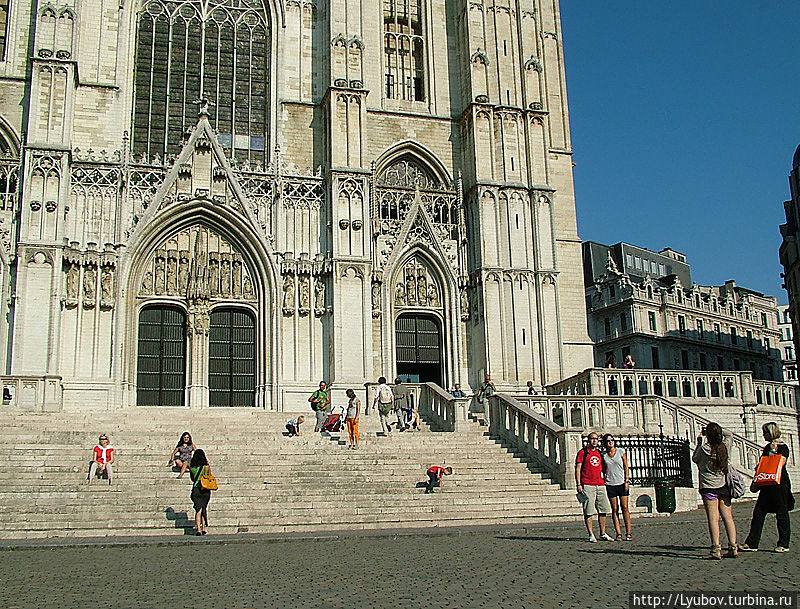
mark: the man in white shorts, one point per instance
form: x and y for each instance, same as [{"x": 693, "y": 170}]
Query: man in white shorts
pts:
[{"x": 592, "y": 486}]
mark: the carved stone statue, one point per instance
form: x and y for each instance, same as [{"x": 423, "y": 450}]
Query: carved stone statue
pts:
[
  {"x": 464, "y": 302},
  {"x": 147, "y": 283},
  {"x": 288, "y": 294},
  {"x": 422, "y": 288},
  {"x": 89, "y": 284},
  {"x": 213, "y": 274},
  {"x": 411, "y": 289},
  {"x": 159, "y": 276},
  {"x": 376, "y": 296},
  {"x": 183, "y": 273},
  {"x": 172, "y": 272},
  {"x": 319, "y": 293},
  {"x": 237, "y": 278},
  {"x": 107, "y": 284},
  {"x": 247, "y": 287},
  {"x": 225, "y": 276},
  {"x": 400, "y": 294},
  {"x": 72, "y": 280},
  {"x": 305, "y": 293},
  {"x": 433, "y": 296}
]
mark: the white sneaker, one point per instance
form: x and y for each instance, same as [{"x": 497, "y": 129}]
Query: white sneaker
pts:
[
  {"x": 606, "y": 537},
  {"x": 592, "y": 538}
]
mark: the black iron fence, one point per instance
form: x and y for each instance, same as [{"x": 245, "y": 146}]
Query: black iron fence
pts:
[{"x": 653, "y": 459}]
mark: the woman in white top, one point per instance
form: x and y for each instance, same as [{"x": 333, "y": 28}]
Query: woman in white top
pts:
[
  {"x": 618, "y": 482},
  {"x": 351, "y": 418}
]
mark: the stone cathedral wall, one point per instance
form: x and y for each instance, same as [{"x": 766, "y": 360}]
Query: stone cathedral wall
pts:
[{"x": 368, "y": 184}]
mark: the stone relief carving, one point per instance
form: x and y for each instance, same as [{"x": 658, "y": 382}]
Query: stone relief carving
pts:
[
  {"x": 72, "y": 272},
  {"x": 416, "y": 287},
  {"x": 464, "y": 303},
  {"x": 197, "y": 263}
]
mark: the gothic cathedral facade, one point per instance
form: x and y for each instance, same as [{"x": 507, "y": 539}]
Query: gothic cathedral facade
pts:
[{"x": 221, "y": 202}]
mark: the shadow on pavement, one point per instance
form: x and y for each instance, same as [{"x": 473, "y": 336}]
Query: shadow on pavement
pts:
[
  {"x": 181, "y": 520},
  {"x": 535, "y": 538}
]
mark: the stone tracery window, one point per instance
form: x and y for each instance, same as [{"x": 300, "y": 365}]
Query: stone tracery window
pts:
[
  {"x": 188, "y": 50},
  {"x": 405, "y": 173},
  {"x": 403, "y": 43}
]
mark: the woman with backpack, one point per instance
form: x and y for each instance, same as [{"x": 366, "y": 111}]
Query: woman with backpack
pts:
[
  {"x": 200, "y": 496},
  {"x": 711, "y": 456},
  {"x": 772, "y": 499},
  {"x": 384, "y": 402}
]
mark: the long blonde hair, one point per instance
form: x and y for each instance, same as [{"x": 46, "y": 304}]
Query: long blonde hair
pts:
[{"x": 773, "y": 433}]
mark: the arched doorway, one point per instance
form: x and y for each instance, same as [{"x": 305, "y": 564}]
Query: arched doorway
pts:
[
  {"x": 232, "y": 357},
  {"x": 161, "y": 370},
  {"x": 418, "y": 338}
]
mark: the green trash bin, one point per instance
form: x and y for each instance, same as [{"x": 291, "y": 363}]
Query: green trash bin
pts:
[{"x": 665, "y": 496}]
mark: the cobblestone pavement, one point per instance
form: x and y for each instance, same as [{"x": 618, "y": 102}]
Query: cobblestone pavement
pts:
[{"x": 543, "y": 565}]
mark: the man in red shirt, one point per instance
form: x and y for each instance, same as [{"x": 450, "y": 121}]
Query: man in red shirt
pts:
[
  {"x": 435, "y": 474},
  {"x": 592, "y": 487}
]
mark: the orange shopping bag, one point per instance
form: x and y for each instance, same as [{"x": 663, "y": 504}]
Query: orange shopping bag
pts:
[{"x": 768, "y": 472}]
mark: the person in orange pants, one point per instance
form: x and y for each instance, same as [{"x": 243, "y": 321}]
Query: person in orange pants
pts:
[{"x": 351, "y": 418}]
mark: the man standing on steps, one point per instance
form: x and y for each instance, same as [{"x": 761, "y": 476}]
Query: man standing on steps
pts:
[
  {"x": 384, "y": 401},
  {"x": 320, "y": 400},
  {"x": 400, "y": 404},
  {"x": 487, "y": 390},
  {"x": 592, "y": 487}
]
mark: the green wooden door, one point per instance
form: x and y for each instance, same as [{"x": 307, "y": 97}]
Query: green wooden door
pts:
[
  {"x": 161, "y": 363},
  {"x": 232, "y": 358}
]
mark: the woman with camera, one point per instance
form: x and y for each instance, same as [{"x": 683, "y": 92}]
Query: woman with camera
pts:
[{"x": 711, "y": 456}]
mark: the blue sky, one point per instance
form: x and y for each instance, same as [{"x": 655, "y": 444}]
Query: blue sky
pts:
[{"x": 684, "y": 121}]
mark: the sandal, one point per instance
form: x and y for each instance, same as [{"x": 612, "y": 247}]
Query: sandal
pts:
[
  {"x": 619, "y": 537},
  {"x": 628, "y": 537}
]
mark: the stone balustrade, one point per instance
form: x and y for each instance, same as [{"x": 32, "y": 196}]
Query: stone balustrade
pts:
[
  {"x": 550, "y": 446},
  {"x": 439, "y": 408},
  {"x": 32, "y": 393},
  {"x": 694, "y": 385}
]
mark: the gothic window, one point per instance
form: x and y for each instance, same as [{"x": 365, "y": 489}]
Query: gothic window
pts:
[
  {"x": 405, "y": 173},
  {"x": 403, "y": 43},
  {"x": 188, "y": 50},
  {"x": 5, "y": 9}
]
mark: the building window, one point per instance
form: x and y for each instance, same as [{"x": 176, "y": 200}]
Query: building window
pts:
[
  {"x": 607, "y": 326},
  {"x": 749, "y": 339},
  {"x": 685, "y": 359},
  {"x": 786, "y": 319},
  {"x": 662, "y": 270},
  {"x": 215, "y": 50},
  {"x": 651, "y": 316},
  {"x": 734, "y": 338},
  {"x": 612, "y": 292},
  {"x": 718, "y": 332},
  {"x": 681, "y": 324},
  {"x": 623, "y": 322},
  {"x": 764, "y": 320},
  {"x": 637, "y": 262},
  {"x": 700, "y": 329},
  {"x": 629, "y": 260},
  {"x": 5, "y": 9},
  {"x": 654, "y": 356},
  {"x": 767, "y": 345},
  {"x": 403, "y": 45},
  {"x": 649, "y": 292},
  {"x": 703, "y": 362},
  {"x": 714, "y": 305},
  {"x": 789, "y": 352}
]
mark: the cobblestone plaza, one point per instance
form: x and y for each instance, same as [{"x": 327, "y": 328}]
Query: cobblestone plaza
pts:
[{"x": 544, "y": 565}]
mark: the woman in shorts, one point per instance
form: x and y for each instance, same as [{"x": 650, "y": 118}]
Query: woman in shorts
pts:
[
  {"x": 615, "y": 464},
  {"x": 711, "y": 456}
]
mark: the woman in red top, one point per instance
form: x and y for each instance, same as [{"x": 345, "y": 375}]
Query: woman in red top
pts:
[{"x": 102, "y": 459}]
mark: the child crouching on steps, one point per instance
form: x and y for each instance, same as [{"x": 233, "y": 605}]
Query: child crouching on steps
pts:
[
  {"x": 293, "y": 426},
  {"x": 435, "y": 474}
]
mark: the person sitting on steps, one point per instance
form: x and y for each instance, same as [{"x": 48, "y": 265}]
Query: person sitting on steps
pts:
[
  {"x": 182, "y": 455},
  {"x": 102, "y": 460}
]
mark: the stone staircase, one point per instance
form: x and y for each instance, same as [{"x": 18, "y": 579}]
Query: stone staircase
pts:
[{"x": 269, "y": 483}]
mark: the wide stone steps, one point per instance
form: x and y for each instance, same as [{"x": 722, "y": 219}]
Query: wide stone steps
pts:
[{"x": 269, "y": 483}]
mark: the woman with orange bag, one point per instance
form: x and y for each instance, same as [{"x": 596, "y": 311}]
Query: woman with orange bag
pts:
[{"x": 772, "y": 499}]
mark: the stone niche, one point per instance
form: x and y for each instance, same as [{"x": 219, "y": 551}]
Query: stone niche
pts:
[{"x": 196, "y": 262}]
